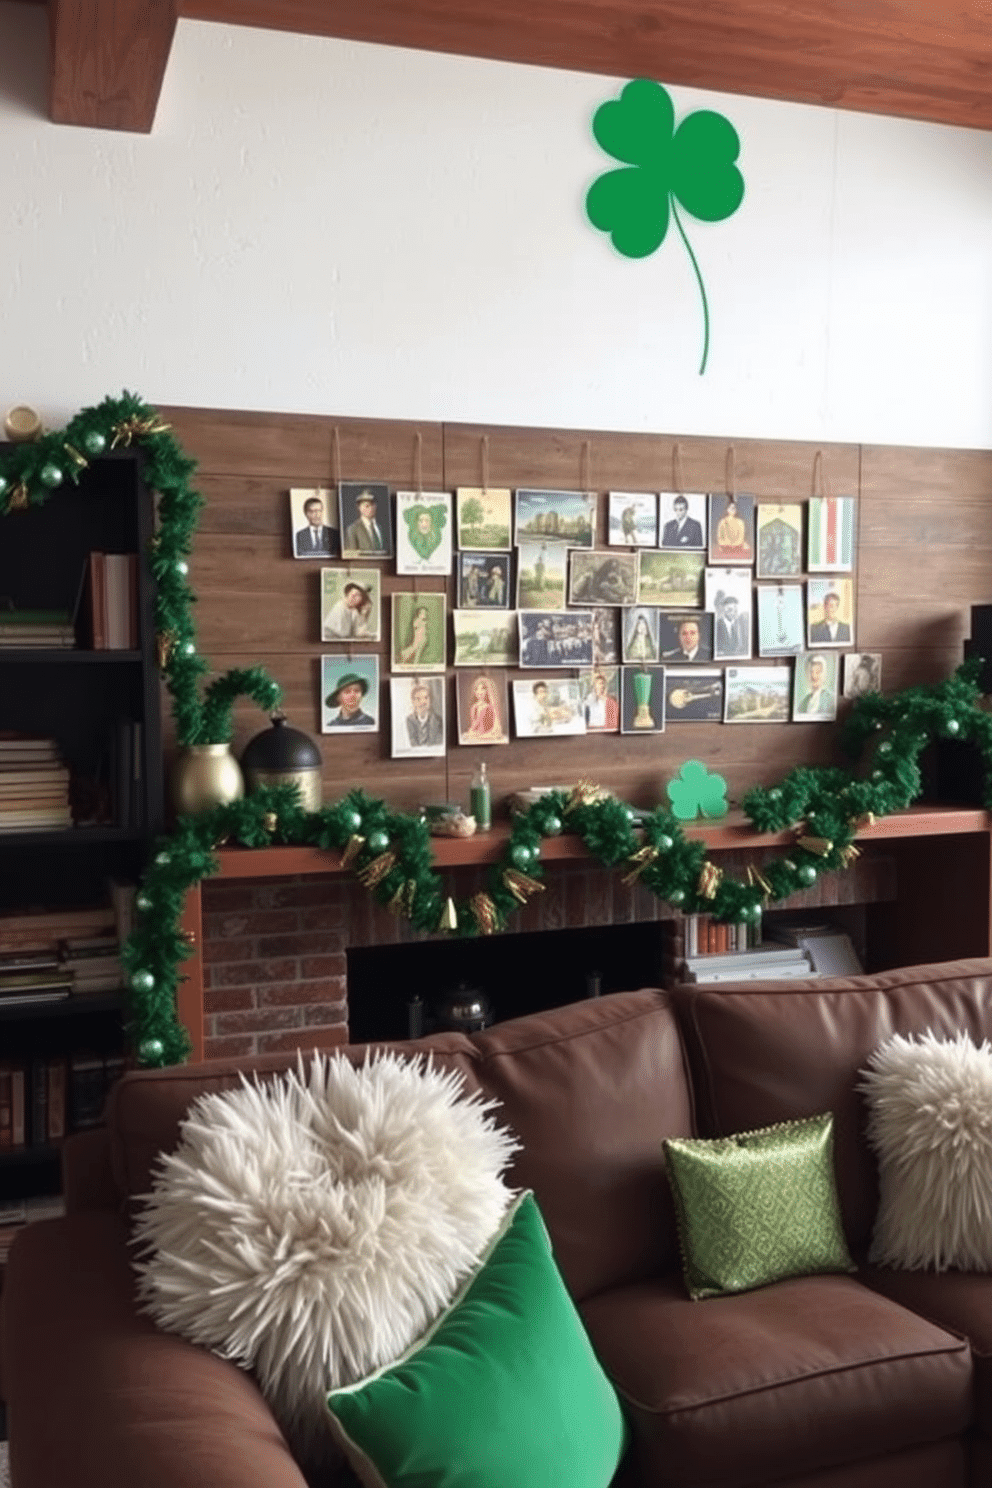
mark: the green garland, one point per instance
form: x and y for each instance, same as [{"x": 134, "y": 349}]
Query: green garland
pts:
[{"x": 389, "y": 852}]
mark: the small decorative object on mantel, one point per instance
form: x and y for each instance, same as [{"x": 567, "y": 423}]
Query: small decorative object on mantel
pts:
[
  {"x": 204, "y": 776},
  {"x": 447, "y": 819},
  {"x": 697, "y": 792},
  {"x": 22, "y": 425},
  {"x": 283, "y": 755},
  {"x": 464, "y": 1009}
]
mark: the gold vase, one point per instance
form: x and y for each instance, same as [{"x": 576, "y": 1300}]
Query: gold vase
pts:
[{"x": 204, "y": 776}]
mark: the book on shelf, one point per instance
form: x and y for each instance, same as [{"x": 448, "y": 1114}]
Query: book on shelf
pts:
[
  {"x": 40, "y": 929},
  {"x": 53, "y": 628},
  {"x": 113, "y": 595},
  {"x": 830, "y": 949},
  {"x": 16, "y": 1214}
]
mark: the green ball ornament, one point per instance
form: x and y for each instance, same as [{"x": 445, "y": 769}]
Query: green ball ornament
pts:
[
  {"x": 162, "y": 858},
  {"x": 94, "y": 443},
  {"x": 952, "y": 728},
  {"x": 150, "y": 1050},
  {"x": 351, "y": 820},
  {"x": 751, "y": 914},
  {"x": 521, "y": 856},
  {"x": 142, "y": 981},
  {"x": 677, "y": 896},
  {"x": 182, "y": 567},
  {"x": 3, "y": 484},
  {"x": 378, "y": 841},
  {"x": 665, "y": 843},
  {"x": 806, "y": 874},
  {"x": 143, "y": 903},
  {"x": 629, "y": 813},
  {"x": 551, "y": 826},
  {"x": 50, "y": 475}
]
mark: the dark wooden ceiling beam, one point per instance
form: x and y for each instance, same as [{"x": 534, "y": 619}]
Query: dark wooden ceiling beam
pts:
[{"x": 108, "y": 60}]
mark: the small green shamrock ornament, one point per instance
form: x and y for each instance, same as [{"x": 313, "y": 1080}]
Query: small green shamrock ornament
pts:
[
  {"x": 697, "y": 793},
  {"x": 693, "y": 165}
]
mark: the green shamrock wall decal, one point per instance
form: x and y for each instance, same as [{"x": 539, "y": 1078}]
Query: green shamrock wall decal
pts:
[
  {"x": 692, "y": 165},
  {"x": 697, "y": 792}
]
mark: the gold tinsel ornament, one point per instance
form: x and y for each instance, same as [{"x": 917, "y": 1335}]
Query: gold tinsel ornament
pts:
[
  {"x": 709, "y": 880},
  {"x": 136, "y": 428},
  {"x": 80, "y": 461},
  {"x": 373, "y": 873},
  {"x": 820, "y": 846},
  {"x": 351, "y": 851},
  {"x": 521, "y": 885},
  {"x": 270, "y": 821},
  {"x": 165, "y": 644},
  {"x": 642, "y": 859},
  {"x": 486, "y": 914},
  {"x": 449, "y": 916},
  {"x": 18, "y": 498},
  {"x": 584, "y": 793},
  {"x": 755, "y": 876}
]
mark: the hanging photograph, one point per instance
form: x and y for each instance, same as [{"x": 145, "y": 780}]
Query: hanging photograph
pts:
[
  {"x": 814, "y": 696},
  {"x": 483, "y": 710},
  {"x": 484, "y": 517},
  {"x": 349, "y": 692},
  {"x": 597, "y": 578},
  {"x": 423, "y": 532},
  {"x": 312, "y": 510},
  {"x": 542, "y": 574},
  {"x": 557, "y": 516},
  {"x": 546, "y": 708},
  {"x": 683, "y": 519},
  {"x": 350, "y": 607},
  {"x": 728, "y": 596},
  {"x": 694, "y": 697},
  {"x": 780, "y": 540},
  {"x": 633, "y": 519},
  {"x": 642, "y": 700},
  {"x": 418, "y": 632},
  {"x": 640, "y": 634},
  {"x": 830, "y": 534},
  {"x": 731, "y": 529},
  {"x": 416, "y": 708},
  {"x": 781, "y": 620},
  {"x": 483, "y": 639},
  {"x": 756, "y": 694},
  {"x": 366, "y": 528},
  {"x": 830, "y": 612},
  {"x": 673, "y": 580},
  {"x": 599, "y": 690},
  {"x": 484, "y": 581},
  {"x": 551, "y": 638},
  {"x": 862, "y": 673},
  {"x": 685, "y": 639},
  {"x": 605, "y": 637}
]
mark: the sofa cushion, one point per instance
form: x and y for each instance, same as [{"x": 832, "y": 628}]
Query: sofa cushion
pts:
[
  {"x": 503, "y": 1389},
  {"x": 761, "y": 1054},
  {"x": 756, "y": 1207},
  {"x": 930, "y": 1125},
  {"x": 788, "y": 1380},
  {"x": 591, "y": 1090}
]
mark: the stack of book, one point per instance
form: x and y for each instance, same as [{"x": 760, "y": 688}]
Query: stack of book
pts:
[
  {"x": 16, "y": 1213},
  {"x": 34, "y": 785},
  {"x": 44, "y": 628},
  {"x": 764, "y": 963},
  {"x": 113, "y": 587},
  {"x": 28, "y": 978},
  {"x": 93, "y": 962}
]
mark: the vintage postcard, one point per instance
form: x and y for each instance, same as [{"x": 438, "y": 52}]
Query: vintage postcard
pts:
[
  {"x": 756, "y": 694},
  {"x": 542, "y": 574},
  {"x": 557, "y": 516},
  {"x": 780, "y": 540},
  {"x": 418, "y": 632},
  {"x": 553, "y": 638},
  {"x": 483, "y": 708},
  {"x": 671, "y": 579},
  {"x": 484, "y": 581},
  {"x": 633, "y": 519},
  {"x": 416, "y": 708},
  {"x": 728, "y": 596},
  {"x": 642, "y": 700},
  {"x": 484, "y": 517},
  {"x": 814, "y": 691},
  {"x": 547, "y": 707},
  {"x": 862, "y": 673},
  {"x": 350, "y": 607},
  {"x": 366, "y": 523},
  {"x": 605, "y": 637},
  {"x": 781, "y": 620},
  {"x": 830, "y": 612},
  {"x": 682, "y": 517},
  {"x": 640, "y": 634},
  {"x": 598, "y": 578},
  {"x": 349, "y": 694},
  {"x": 485, "y": 638},
  {"x": 599, "y": 690},
  {"x": 694, "y": 697},
  {"x": 731, "y": 529},
  {"x": 830, "y": 534},
  {"x": 423, "y": 532},
  {"x": 313, "y": 515},
  {"x": 686, "y": 639}
]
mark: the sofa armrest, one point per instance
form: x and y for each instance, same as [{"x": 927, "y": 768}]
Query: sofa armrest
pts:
[
  {"x": 87, "y": 1175},
  {"x": 96, "y": 1393}
]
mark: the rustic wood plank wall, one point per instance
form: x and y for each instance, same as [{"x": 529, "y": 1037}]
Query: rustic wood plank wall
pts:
[{"x": 924, "y": 557}]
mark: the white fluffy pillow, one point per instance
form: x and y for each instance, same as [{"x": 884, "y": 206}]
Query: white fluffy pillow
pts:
[
  {"x": 930, "y": 1124},
  {"x": 312, "y": 1228}
]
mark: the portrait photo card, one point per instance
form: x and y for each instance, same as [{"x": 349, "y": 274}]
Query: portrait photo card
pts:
[
  {"x": 728, "y": 596},
  {"x": 731, "y": 529},
  {"x": 632, "y": 520},
  {"x": 418, "y": 632},
  {"x": 350, "y": 604},
  {"x": 417, "y": 714},
  {"x": 862, "y": 673},
  {"x": 366, "y": 521},
  {"x": 605, "y": 637},
  {"x": 423, "y": 532},
  {"x": 483, "y": 708},
  {"x": 485, "y": 517},
  {"x": 349, "y": 694},
  {"x": 484, "y": 581},
  {"x": 683, "y": 517},
  {"x": 640, "y": 634},
  {"x": 830, "y": 612},
  {"x": 685, "y": 639},
  {"x": 547, "y": 708},
  {"x": 599, "y": 690},
  {"x": 814, "y": 695},
  {"x": 313, "y": 522}
]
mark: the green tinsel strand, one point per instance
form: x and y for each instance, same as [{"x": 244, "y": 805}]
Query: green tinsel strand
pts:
[{"x": 218, "y": 703}]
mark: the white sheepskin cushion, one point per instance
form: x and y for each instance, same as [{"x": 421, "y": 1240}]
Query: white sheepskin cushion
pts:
[
  {"x": 311, "y": 1228},
  {"x": 930, "y": 1124}
]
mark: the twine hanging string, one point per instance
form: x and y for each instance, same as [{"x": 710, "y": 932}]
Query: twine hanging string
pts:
[
  {"x": 418, "y": 463},
  {"x": 678, "y": 481},
  {"x": 821, "y": 486},
  {"x": 731, "y": 472},
  {"x": 484, "y": 461},
  {"x": 336, "y": 457},
  {"x": 585, "y": 466}
]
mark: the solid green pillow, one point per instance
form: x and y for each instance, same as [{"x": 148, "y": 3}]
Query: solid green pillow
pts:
[
  {"x": 757, "y": 1207},
  {"x": 503, "y": 1390}
]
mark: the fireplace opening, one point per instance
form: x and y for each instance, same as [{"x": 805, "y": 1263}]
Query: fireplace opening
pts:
[{"x": 393, "y": 989}]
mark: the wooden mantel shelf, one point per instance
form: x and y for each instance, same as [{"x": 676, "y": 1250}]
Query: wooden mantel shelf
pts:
[{"x": 734, "y": 831}]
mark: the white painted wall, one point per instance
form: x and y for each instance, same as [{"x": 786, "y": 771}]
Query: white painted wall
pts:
[{"x": 326, "y": 227}]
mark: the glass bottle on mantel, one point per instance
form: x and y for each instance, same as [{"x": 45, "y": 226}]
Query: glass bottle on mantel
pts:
[{"x": 480, "y": 799}]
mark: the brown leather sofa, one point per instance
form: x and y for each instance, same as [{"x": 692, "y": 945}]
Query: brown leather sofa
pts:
[{"x": 833, "y": 1381}]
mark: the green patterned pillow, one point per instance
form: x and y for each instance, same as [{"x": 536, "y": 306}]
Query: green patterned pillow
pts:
[{"x": 757, "y": 1207}]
